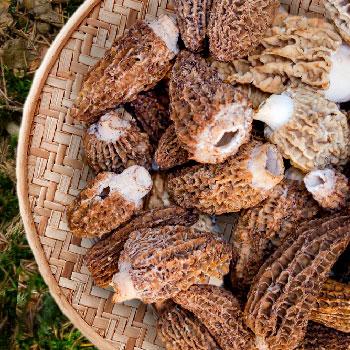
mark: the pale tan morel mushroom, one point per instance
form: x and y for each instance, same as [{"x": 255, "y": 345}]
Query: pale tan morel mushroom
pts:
[
  {"x": 242, "y": 181},
  {"x": 329, "y": 188},
  {"x": 158, "y": 263},
  {"x": 108, "y": 201},
  {"x": 237, "y": 27},
  {"x": 115, "y": 142},
  {"x": 285, "y": 290},
  {"x": 136, "y": 62},
  {"x": 212, "y": 119},
  {"x": 339, "y": 12},
  {"x": 308, "y": 129}
]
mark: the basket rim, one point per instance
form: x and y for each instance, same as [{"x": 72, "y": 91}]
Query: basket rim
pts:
[{"x": 22, "y": 174}]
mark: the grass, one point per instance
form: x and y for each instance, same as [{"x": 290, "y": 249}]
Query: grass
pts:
[{"x": 29, "y": 317}]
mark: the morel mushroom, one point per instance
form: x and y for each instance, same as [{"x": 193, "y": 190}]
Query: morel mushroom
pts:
[
  {"x": 108, "y": 201},
  {"x": 181, "y": 330},
  {"x": 333, "y": 306},
  {"x": 170, "y": 153},
  {"x": 157, "y": 263},
  {"x": 328, "y": 187},
  {"x": 307, "y": 129},
  {"x": 285, "y": 290},
  {"x": 192, "y": 17},
  {"x": 102, "y": 258},
  {"x": 220, "y": 313},
  {"x": 261, "y": 229},
  {"x": 338, "y": 11},
  {"x": 212, "y": 119},
  {"x": 237, "y": 27},
  {"x": 240, "y": 182},
  {"x": 136, "y": 62},
  {"x": 115, "y": 142}
]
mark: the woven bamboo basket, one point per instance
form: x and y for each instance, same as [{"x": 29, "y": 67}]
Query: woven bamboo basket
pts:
[{"x": 51, "y": 171}]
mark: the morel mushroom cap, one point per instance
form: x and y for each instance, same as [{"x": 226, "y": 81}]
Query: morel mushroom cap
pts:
[
  {"x": 212, "y": 119},
  {"x": 308, "y": 129},
  {"x": 328, "y": 187},
  {"x": 319, "y": 337},
  {"x": 333, "y": 306},
  {"x": 181, "y": 330},
  {"x": 192, "y": 17},
  {"x": 115, "y": 142},
  {"x": 102, "y": 258},
  {"x": 338, "y": 11},
  {"x": 108, "y": 201},
  {"x": 158, "y": 263},
  {"x": 159, "y": 196},
  {"x": 240, "y": 182},
  {"x": 284, "y": 291},
  {"x": 137, "y": 62},
  {"x": 170, "y": 153},
  {"x": 220, "y": 313},
  {"x": 261, "y": 229},
  {"x": 237, "y": 27}
]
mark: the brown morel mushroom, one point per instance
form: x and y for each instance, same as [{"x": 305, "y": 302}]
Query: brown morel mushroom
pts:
[
  {"x": 220, "y": 313},
  {"x": 212, "y": 119},
  {"x": 333, "y": 306},
  {"x": 192, "y": 17},
  {"x": 169, "y": 152},
  {"x": 237, "y": 27},
  {"x": 240, "y": 182},
  {"x": 136, "y": 62},
  {"x": 157, "y": 263},
  {"x": 108, "y": 201},
  {"x": 285, "y": 290},
  {"x": 102, "y": 258},
  {"x": 328, "y": 187},
  {"x": 307, "y": 129},
  {"x": 260, "y": 230},
  {"x": 181, "y": 330},
  {"x": 115, "y": 142}
]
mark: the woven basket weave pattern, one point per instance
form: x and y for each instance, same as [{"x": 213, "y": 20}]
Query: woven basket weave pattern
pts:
[{"x": 57, "y": 173}]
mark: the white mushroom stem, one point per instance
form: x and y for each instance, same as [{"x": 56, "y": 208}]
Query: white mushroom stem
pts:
[
  {"x": 266, "y": 167},
  {"x": 339, "y": 76},
  {"x": 294, "y": 174},
  {"x": 165, "y": 28},
  {"x": 320, "y": 183},
  {"x": 123, "y": 285},
  {"x": 276, "y": 111}
]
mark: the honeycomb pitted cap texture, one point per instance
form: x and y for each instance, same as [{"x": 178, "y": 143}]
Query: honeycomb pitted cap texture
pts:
[
  {"x": 220, "y": 313},
  {"x": 242, "y": 181},
  {"x": 329, "y": 188},
  {"x": 315, "y": 136},
  {"x": 261, "y": 229},
  {"x": 157, "y": 263},
  {"x": 339, "y": 12},
  {"x": 115, "y": 142},
  {"x": 108, "y": 201},
  {"x": 192, "y": 19},
  {"x": 170, "y": 152},
  {"x": 237, "y": 27},
  {"x": 285, "y": 290},
  {"x": 295, "y": 51},
  {"x": 102, "y": 258},
  {"x": 333, "y": 306},
  {"x": 181, "y": 330},
  {"x": 136, "y": 62},
  {"x": 212, "y": 119},
  {"x": 319, "y": 337}
]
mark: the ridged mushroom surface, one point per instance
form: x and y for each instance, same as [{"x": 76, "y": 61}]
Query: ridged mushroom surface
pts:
[
  {"x": 212, "y": 119},
  {"x": 285, "y": 290},
  {"x": 221, "y": 314},
  {"x": 339, "y": 12},
  {"x": 158, "y": 263},
  {"x": 242, "y": 181},
  {"x": 108, "y": 201},
  {"x": 237, "y": 27},
  {"x": 115, "y": 142},
  {"x": 136, "y": 62}
]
